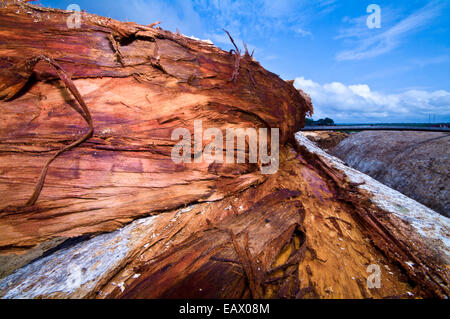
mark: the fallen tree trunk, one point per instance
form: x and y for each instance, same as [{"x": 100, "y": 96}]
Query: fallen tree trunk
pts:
[
  {"x": 97, "y": 105},
  {"x": 140, "y": 84}
]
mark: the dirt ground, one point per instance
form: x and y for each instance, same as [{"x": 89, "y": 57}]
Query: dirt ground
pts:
[{"x": 414, "y": 163}]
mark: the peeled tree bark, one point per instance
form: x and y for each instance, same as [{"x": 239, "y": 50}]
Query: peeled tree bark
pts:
[{"x": 93, "y": 205}]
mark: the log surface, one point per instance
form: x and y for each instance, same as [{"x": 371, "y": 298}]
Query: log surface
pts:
[{"x": 160, "y": 81}]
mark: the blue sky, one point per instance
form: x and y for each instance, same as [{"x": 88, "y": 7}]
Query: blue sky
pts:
[{"x": 396, "y": 73}]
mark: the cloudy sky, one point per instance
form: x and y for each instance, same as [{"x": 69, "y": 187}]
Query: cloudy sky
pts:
[{"x": 354, "y": 74}]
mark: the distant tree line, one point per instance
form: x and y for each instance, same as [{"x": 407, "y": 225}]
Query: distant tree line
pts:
[{"x": 322, "y": 122}]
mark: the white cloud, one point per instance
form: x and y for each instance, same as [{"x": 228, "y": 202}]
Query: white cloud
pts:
[
  {"x": 359, "y": 104},
  {"x": 304, "y": 33},
  {"x": 423, "y": 62},
  {"x": 247, "y": 19},
  {"x": 179, "y": 14},
  {"x": 372, "y": 43}
]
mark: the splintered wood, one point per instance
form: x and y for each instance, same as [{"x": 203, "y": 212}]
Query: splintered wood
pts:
[{"x": 85, "y": 158}]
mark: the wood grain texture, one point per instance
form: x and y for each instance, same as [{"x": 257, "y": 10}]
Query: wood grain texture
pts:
[{"x": 138, "y": 90}]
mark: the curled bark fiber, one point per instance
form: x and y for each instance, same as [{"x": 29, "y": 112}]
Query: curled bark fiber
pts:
[{"x": 216, "y": 230}]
